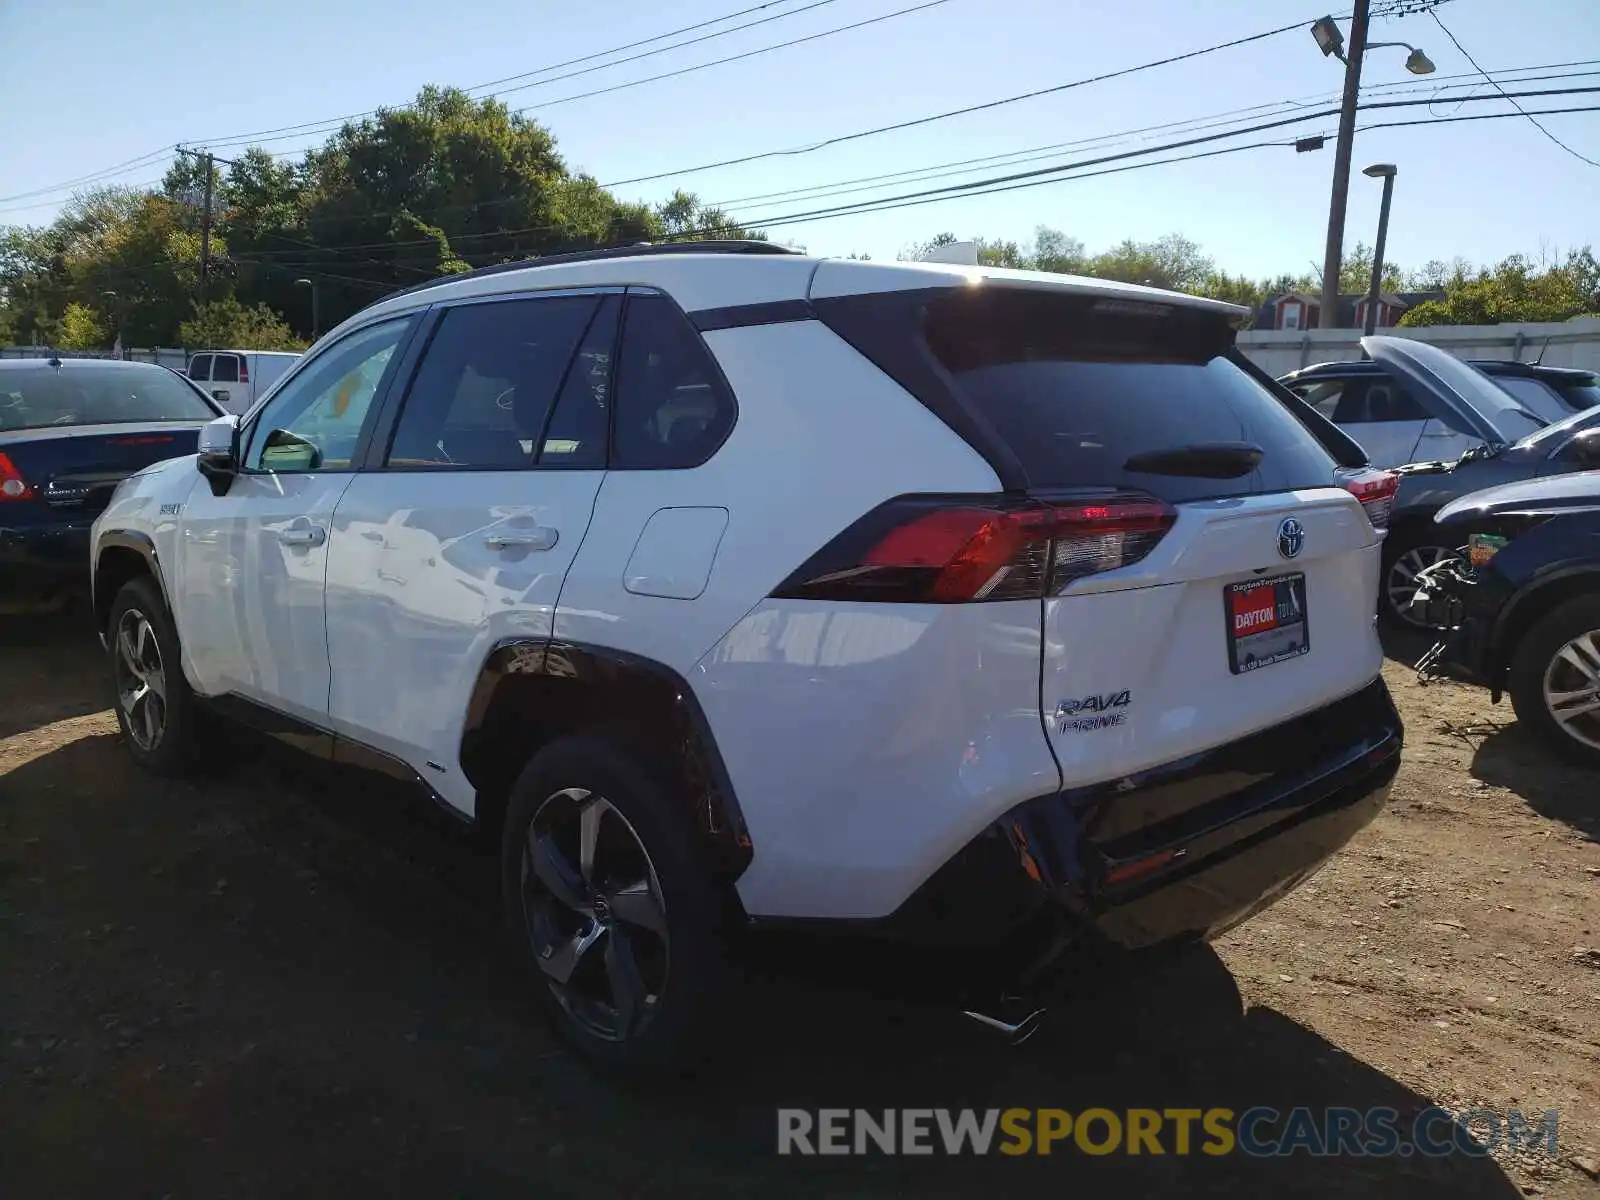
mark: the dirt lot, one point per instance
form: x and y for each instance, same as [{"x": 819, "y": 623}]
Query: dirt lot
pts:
[{"x": 255, "y": 986}]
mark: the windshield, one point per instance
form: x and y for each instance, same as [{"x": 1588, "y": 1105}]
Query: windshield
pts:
[
  {"x": 1464, "y": 386},
  {"x": 38, "y": 397},
  {"x": 1551, "y": 436},
  {"x": 1536, "y": 396},
  {"x": 1581, "y": 395}
]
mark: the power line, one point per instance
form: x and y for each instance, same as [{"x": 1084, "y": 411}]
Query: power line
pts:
[
  {"x": 122, "y": 168},
  {"x": 1043, "y": 175},
  {"x": 959, "y": 112},
  {"x": 1503, "y": 92},
  {"x": 717, "y": 62},
  {"x": 1033, "y": 153},
  {"x": 311, "y": 128},
  {"x": 1014, "y": 182}
]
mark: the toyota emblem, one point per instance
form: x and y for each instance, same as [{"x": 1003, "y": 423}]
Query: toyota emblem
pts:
[{"x": 1291, "y": 538}]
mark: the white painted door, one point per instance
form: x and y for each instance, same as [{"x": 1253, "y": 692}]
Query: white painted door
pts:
[
  {"x": 254, "y": 559},
  {"x": 462, "y": 538}
]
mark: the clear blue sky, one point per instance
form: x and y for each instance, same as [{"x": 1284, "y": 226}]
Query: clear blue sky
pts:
[{"x": 88, "y": 85}]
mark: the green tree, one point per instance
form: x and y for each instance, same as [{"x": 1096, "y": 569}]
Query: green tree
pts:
[
  {"x": 82, "y": 328},
  {"x": 1055, "y": 251},
  {"x": 1172, "y": 262},
  {"x": 1515, "y": 290},
  {"x": 1355, "y": 272},
  {"x": 685, "y": 216},
  {"x": 1235, "y": 289},
  {"x": 228, "y": 323}
]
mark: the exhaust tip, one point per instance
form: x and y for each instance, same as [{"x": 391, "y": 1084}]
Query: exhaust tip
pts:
[{"x": 1014, "y": 1032}]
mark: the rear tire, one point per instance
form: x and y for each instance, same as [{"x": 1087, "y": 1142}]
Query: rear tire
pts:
[
  {"x": 1406, "y": 551},
  {"x": 610, "y": 907},
  {"x": 1555, "y": 680},
  {"x": 154, "y": 705}
]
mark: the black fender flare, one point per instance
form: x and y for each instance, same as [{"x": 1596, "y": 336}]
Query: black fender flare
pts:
[
  {"x": 126, "y": 539},
  {"x": 630, "y": 678},
  {"x": 1534, "y": 597}
]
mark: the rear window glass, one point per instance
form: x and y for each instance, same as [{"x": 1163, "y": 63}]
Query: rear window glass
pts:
[
  {"x": 34, "y": 397},
  {"x": 1078, "y": 386},
  {"x": 225, "y": 369}
]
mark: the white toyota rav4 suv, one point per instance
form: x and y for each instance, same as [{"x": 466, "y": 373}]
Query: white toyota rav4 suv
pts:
[{"x": 1009, "y": 614}]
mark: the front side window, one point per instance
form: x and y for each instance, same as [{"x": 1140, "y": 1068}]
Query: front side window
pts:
[
  {"x": 673, "y": 408},
  {"x": 313, "y": 423},
  {"x": 483, "y": 393}
]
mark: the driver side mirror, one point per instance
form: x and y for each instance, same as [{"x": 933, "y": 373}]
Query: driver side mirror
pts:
[
  {"x": 1583, "y": 451},
  {"x": 218, "y": 458}
]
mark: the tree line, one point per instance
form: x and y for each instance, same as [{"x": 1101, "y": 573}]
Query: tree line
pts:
[
  {"x": 406, "y": 195},
  {"x": 1554, "y": 287},
  {"x": 452, "y": 182}
]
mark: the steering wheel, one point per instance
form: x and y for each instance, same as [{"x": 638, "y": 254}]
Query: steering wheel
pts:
[{"x": 506, "y": 400}]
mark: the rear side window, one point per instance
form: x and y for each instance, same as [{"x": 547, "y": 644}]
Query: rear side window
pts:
[
  {"x": 1077, "y": 387},
  {"x": 200, "y": 368},
  {"x": 485, "y": 388},
  {"x": 673, "y": 408},
  {"x": 1376, "y": 401},
  {"x": 225, "y": 368}
]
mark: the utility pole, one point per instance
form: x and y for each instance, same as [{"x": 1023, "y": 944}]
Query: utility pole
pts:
[
  {"x": 1333, "y": 257},
  {"x": 205, "y": 222}
]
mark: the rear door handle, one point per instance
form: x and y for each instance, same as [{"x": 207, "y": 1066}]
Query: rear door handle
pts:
[
  {"x": 313, "y": 536},
  {"x": 541, "y": 538}
]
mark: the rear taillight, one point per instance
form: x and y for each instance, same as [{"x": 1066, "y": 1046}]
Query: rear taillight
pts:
[
  {"x": 1375, "y": 489},
  {"x": 244, "y": 370},
  {"x": 12, "y": 485},
  {"x": 953, "y": 550}
]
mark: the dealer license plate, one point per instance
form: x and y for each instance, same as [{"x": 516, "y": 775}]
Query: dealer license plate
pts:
[{"x": 1266, "y": 622}]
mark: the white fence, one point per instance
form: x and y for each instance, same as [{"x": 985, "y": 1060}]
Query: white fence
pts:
[
  {"x": 1574, "y": 343},
  {"x": 164, "y": 356}
]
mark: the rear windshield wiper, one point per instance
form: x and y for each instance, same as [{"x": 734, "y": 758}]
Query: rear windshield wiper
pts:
[{"x": 1203, "y": 460}]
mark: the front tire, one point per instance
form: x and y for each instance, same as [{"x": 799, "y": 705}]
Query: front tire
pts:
[
  {"x": 610, "y": 908},
  {"x": 1406, "y": 553},
  {"x": 154, "y": 704},
  {"x": 1555, "y": 680}
]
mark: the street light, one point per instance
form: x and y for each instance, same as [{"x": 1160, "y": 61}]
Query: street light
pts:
[
  {"x": 1331, "y": 42},
  {"x": 1386, "y": 172},
  {"x": 1417, "y": 62},
  {"x": 315, "y": 316},
  {"x": 116, "y": 321}
]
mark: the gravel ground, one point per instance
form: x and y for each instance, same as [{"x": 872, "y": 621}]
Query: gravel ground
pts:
[{"x": 260, "y": 985}]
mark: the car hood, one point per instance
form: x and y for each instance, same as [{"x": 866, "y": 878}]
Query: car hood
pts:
[
  {"x": 1552, "y": 494},
  {"x": 1451, "y": 390}
]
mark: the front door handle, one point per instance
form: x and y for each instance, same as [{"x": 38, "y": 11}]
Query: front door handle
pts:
[
  {"x": 540, "y": 538},
  {"x": 312, "y": 536}
]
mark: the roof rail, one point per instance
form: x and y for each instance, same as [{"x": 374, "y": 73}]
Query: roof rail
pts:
[{"x": 638, "y": 249}]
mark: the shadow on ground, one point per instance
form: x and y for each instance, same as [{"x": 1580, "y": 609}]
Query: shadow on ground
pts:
[
  {"x": 254, "y": 987},
  {"x": 52, "y": 668},
  {"x": 1512, "y": 758}
]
